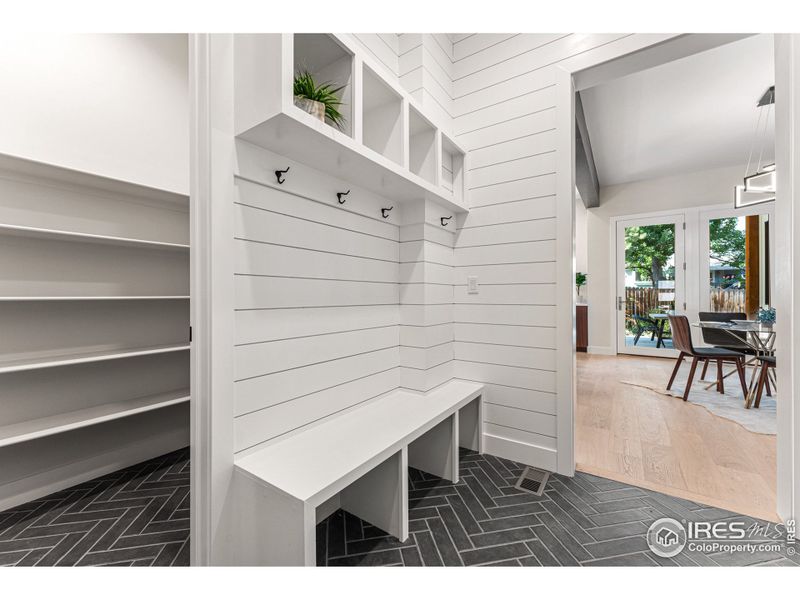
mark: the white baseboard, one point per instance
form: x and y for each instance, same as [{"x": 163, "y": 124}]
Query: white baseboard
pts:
[
  {"x": 606, "y": 350},
  {"x": 527, "y": 454}
]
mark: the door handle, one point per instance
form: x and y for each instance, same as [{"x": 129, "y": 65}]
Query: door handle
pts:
[{"x": 620, "y": 303}]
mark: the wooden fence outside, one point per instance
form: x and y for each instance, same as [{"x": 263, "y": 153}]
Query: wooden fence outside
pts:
[
  {"x": 727, "y": 300},
  {"x": 643, "y": 301}
]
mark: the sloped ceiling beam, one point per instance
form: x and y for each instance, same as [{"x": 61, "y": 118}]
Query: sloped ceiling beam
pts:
[{"x": 585, "y": 170}]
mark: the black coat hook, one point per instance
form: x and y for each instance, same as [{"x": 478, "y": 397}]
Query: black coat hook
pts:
[
  {"x": 279, "y": 174},
  {"x": 339, "y": 196},
  {"x": 385, "y": 212},
  {"x": 444, "y": 220}
]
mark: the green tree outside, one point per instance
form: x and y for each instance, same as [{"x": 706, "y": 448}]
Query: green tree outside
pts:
[
  {"x": 727, "y": 246},
  {"x": 648, "y": 251},
  {"x": 650, "y": 248}
]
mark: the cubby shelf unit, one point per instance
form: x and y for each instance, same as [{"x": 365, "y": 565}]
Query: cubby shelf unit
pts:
[
  {"x": 422, "y": 147},
  {"x": 94, "y": 326},
  {"x": 386, "y": 144}
]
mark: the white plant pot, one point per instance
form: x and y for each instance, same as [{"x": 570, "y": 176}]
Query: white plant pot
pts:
[{"x": 312, "y": 107}]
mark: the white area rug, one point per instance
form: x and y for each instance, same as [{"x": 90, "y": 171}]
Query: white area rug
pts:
[{"x": 729, "y": 405}]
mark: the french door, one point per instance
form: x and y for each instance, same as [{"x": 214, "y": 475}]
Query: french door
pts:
[
  {"x": 650, "y": 282},
  {"x": 736, "y": 258}
]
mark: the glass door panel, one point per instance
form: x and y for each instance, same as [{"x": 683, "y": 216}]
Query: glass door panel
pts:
[
  {"x": 736, "y": 262},
  {"x": 650, "y": 275}
]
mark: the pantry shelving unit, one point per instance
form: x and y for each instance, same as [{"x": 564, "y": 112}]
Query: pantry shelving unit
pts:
[
  {"x": 45, "y": 362},
  {"x": 395, "y": 149},
  {"x": 59, "y": 423},
  {"x": 86, "y": 238},
  {"x": 94, "y": 326}
]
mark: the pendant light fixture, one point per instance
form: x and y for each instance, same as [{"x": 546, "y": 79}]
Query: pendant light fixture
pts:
[{"x": 759, "y": 186}]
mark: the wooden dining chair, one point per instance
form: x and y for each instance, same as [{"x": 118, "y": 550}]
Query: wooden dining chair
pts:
[
  {"x": 767, "y": 363},
  {"x": 723, "y": 339},
  {"x": 682, "y": 341}
]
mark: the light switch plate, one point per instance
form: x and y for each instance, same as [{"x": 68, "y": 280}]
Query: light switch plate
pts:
[{"x": 472, "y": 284}]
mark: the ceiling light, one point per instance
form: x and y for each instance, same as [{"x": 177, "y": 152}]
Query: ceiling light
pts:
[
  {"x": 760, "y": 182},
  {"x": 759, "y": 186},
  {"x": 743, "y": 199}
]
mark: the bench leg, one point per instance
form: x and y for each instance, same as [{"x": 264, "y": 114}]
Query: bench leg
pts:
[
  {"x": 436, "y": 450},
  {"x": 270, "y": 527},
  {"x": 380, "y": 496},
  {"x": 470, "y": 420}
]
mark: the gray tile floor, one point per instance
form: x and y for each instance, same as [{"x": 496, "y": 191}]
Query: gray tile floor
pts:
[
  {"x": 483, "y": 520},
  {"x": 139, "y": 516}
]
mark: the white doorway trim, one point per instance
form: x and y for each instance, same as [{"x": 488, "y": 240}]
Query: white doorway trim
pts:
[
  {"x": 211, "y": 313},
  {"x": 658, "y": 47},
  {"x": 787, "y": 269}
]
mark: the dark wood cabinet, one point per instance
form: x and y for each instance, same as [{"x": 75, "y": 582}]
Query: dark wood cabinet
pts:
[{"x": 582, "y": 328}]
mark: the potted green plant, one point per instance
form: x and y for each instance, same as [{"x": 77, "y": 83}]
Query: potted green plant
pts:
[
  {"x": 319, "y": 100},
  {"x": 580, "y": 281}
]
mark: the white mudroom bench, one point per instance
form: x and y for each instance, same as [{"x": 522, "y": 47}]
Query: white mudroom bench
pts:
[{"x": 357, "y": 461}]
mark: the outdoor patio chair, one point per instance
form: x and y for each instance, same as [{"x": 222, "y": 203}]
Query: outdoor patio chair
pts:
[{"x": 644, "y": 324}]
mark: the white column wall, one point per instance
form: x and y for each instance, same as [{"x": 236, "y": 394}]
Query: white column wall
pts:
[
  {"x": 426, "y": 72},
  {"x": 506, "y": 336},
  {"x": 426, "y": 297}
]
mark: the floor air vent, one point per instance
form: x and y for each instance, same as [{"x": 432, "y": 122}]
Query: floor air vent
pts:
[{"x": 533, "y": 480}]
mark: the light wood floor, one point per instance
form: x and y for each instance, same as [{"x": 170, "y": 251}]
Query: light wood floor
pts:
[{"x": 643, "y": 438}]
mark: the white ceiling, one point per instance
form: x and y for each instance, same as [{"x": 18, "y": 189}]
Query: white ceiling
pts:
[{"x": 689, "y": 115}]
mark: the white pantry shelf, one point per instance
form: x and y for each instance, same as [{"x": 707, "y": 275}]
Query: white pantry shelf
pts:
[
  {"x": 94, "y": 317},
  {"x": 90, "y": 238},
  {"x": 17, "y": 433},
  {"x": 15, "y": 166},
  {"x": 85, "y": 298},
  {"x": 46, "y": 362}
]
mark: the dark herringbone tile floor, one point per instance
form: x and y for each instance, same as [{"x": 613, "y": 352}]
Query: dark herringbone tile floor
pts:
[
  {"x": 484, "y": 520},
  {"x": 138, "y": 516}
]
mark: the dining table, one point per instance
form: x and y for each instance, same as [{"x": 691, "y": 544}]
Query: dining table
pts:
[
  {"x": 660, "y": 319},
  {"x": 759, "y": 337}
]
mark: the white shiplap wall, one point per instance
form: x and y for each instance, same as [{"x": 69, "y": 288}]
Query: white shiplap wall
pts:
[
  {"x": 426, "y": 72},
  {"x": 336, "y": 306},
  {"x": 383, "y": 47},
  {"x": 426, "y": 297},
  {"x": 505, "y": 336},
  {"x": 316, "y": 298}
]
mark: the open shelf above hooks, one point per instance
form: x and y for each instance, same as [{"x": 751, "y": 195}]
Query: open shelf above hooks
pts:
[{"x": 387, "y": 145}]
